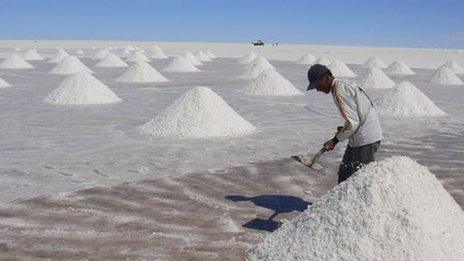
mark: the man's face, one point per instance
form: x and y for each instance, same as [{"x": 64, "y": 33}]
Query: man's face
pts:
[{"x": 324, "y": 85}]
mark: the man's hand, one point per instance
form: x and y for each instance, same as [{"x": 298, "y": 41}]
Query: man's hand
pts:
[
  {"x": 339, "y": 128},
  {"x": 329, "y": 145}
]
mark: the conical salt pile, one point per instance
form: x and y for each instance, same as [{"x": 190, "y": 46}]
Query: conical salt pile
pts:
[
  {"x": 101, "y": 54},
  {"x": 111, "y": 60},
  {"x": 128, "y": 49},
  {"x": 256, "y": 67},
  {"x": 17, "y": 49},
  {"x": 59, "y": 56},
  {"x": 339, "y": 69},
  {"x": 270, "y": 83},
  {"x": 306, "y": 59},
  {"x": 79, "y": 52},
  {"x": 405, "y": 100},
  {"x": 445, "y": 76},
  {"x": 375, "y": 62},
  {"x": 141, "y": 72},
  {"x": 199, "y": 113},
  {"x": 454, "y": 67},
  {"x": 323, "y": 61},
  {"x": 4, "y": 84},
  {"x": 390, "y": 210},
  {"x": 247, "y": 58},
  {"x": 70, "y": 65},
  {"x": 399, "y": 68},
  {"x": 138, "y": 57},
  {"x": 32, "y": 55},
  {"x": 180, "y": 64},
  {"x": 156, "y": 53},
  {"x": 15, "y": 62},
  {"x": 202, "y": 57},
  {"x": 210, "y": 54},
  {"x": 81, "y": 89},
  {"x": 192, "y": 59},
  {"x": 375, "y": 78}
]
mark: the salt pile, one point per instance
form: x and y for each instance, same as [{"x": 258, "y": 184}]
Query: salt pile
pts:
[
  {"x": 32, "y": 55},
  {"x": 211, "y": 55},
  {"x": 4, "y": 84},
  {"x": 306, "y": 59},
  {"x": 79, "y": 52},
  {"x": 445, "y": 76},
  {"x": 399, "y": 68},
  {"x": 192, "y": 59},
  {"x": 454, "y": 67},
  {"x": 81, "y": 89},
  {"x": 199, "y": 113},
  {"x": 247, "y": 58},
  {"x": 156, "y": 53},
  {"x": 111, "y": 60},
  {"x": 138, "y": 57},
  {"x": 180, "y": 64},
  {"x": 405, "y": 100},
  {"x": 15, "y": 62},
  {"x": 256, "y": 67},
  {"x": 270, "y": 83},
  {"x": 101, "y": 54},
  {"x": 390, "y": 210},
  {"x": 141, "y": 72},
  {"x": 202, "y": 57},
  {"x": 59, "y": 56},
  {"x": 375, "y": 78},
  {"x": 128, "y": 49},
  {"x": 323, "y": 61},
  {"x": 339, "y": 69},
  {"x": 375, "y": 62},
  {"x": 69, "y": 65}
]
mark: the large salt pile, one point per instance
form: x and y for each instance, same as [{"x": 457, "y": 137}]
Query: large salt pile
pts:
[
  {"x": 375, "y": 62},
  {"x": 306, "y": 59},
  {"x": 339, "y": 69},
  {"x": 32, "y": 55},
  {"x": 69, "y": 65},
  {"x": 210, "y": 54},
  {"x": 15, "y": 62},
  {"x": 270, "y": 83},
  {"x": 100, "y": 54},
  {"x": 156, "y": 53},
  {"x": 445, "y": 76},
  {"x": 390, "y": 210},
  {"x": 59, "y": 56},
  {"x": 81, "y": 89},
  {"x": 399, "y": 68},
  {"x": 4, "y": 84},
  {"x": 141, "y": 72},
  {"x": 180, "y": 64},
  {"x": 375, "y": 78},
  {"x": 256, "y": 67},
  {"x": 128, "y": 49},
  {"x": 111, "y": 60},
  {"x": 323, "y": 61},
  {"x": 247, "y": 58},
  {"x": 454, "y": 67},
  {"x": 405, "y": 100},
  {"x": 199, "y": 113},
  {"x": 202, "y": 57},
  {"x": 138, "y": 57},
  {"x": 192, "y": 59}
]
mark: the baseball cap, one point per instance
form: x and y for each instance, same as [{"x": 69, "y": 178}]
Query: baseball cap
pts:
[{"x": 314, "y": 74}]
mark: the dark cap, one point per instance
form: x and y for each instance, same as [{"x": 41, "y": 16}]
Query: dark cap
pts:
[{"x": 314, "y": 74}]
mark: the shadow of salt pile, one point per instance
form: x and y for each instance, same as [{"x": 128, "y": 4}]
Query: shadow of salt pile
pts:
[{"x": 182, "y": 217}]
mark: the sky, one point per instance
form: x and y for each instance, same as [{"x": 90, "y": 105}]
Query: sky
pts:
[{"x": 338, "y": 22}]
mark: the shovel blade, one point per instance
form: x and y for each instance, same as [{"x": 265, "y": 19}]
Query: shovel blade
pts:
[{"x": 307, "y": 161}]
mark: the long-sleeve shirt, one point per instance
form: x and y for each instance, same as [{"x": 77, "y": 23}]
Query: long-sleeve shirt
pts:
[{"x": 362, "y": 125}]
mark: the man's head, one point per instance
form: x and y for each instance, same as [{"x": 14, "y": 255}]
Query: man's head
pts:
[{"x": 320, "y": 78}]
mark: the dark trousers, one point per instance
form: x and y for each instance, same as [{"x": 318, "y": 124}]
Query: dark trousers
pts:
[{"x": 355, "y": 158}]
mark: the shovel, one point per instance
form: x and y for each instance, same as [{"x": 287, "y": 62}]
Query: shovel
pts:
[{"x": 310, "y": 162}]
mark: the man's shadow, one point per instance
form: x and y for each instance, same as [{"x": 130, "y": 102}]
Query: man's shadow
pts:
[{"x": 277, "y": 203}]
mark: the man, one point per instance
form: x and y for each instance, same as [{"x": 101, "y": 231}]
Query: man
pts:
[{"x": 362, "y": 128}]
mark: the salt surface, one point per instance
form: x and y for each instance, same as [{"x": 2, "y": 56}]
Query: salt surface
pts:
[
  {"x": 111, "y": 60},
  {"x": 100, "y": 54},
  {"x": 15, "y": 62},
  {"x": 202, "y": 57},
  {"x": 339, "y": 69},
  {"x": 4, "y": 84},
  {"x": 270, "y": 83},
  {"x": 323, "y": 61},
  {"x": 394, "y": 209},
  {"x": 375, "y": 62},
  {"x": 180, "y": 64},
  {"x": 199, "y": 113},
  {"x": 247, "y": 58},
  {"x": 445, "y": 76},
  {"x": 399, "y": 68},
  {"x": 139, "y": 57},
  {"x": 256, "y": 67},
  {"x": 454, "y": 67},
  {"x": 81, "y": 89},
  {"x": 405, "y": 100},
  {"x": 141, "y": 72},
  {"x": 32, "y": 55},
  {"x": 375, "y": 78},
  {"x": 306, "y": 59},
  {"x": 192, "y": 59},
  {"x": 59, "y": 56},
  {"x": 69, "y": 65}
]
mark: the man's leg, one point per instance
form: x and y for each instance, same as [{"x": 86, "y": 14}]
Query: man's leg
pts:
[{"x": 355, "y": 158}]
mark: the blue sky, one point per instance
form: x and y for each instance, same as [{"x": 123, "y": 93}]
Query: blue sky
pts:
[{"x": 383, "y": 23}]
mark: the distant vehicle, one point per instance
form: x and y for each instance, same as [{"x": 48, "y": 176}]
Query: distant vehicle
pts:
[{"x": 258, "y": 43}]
